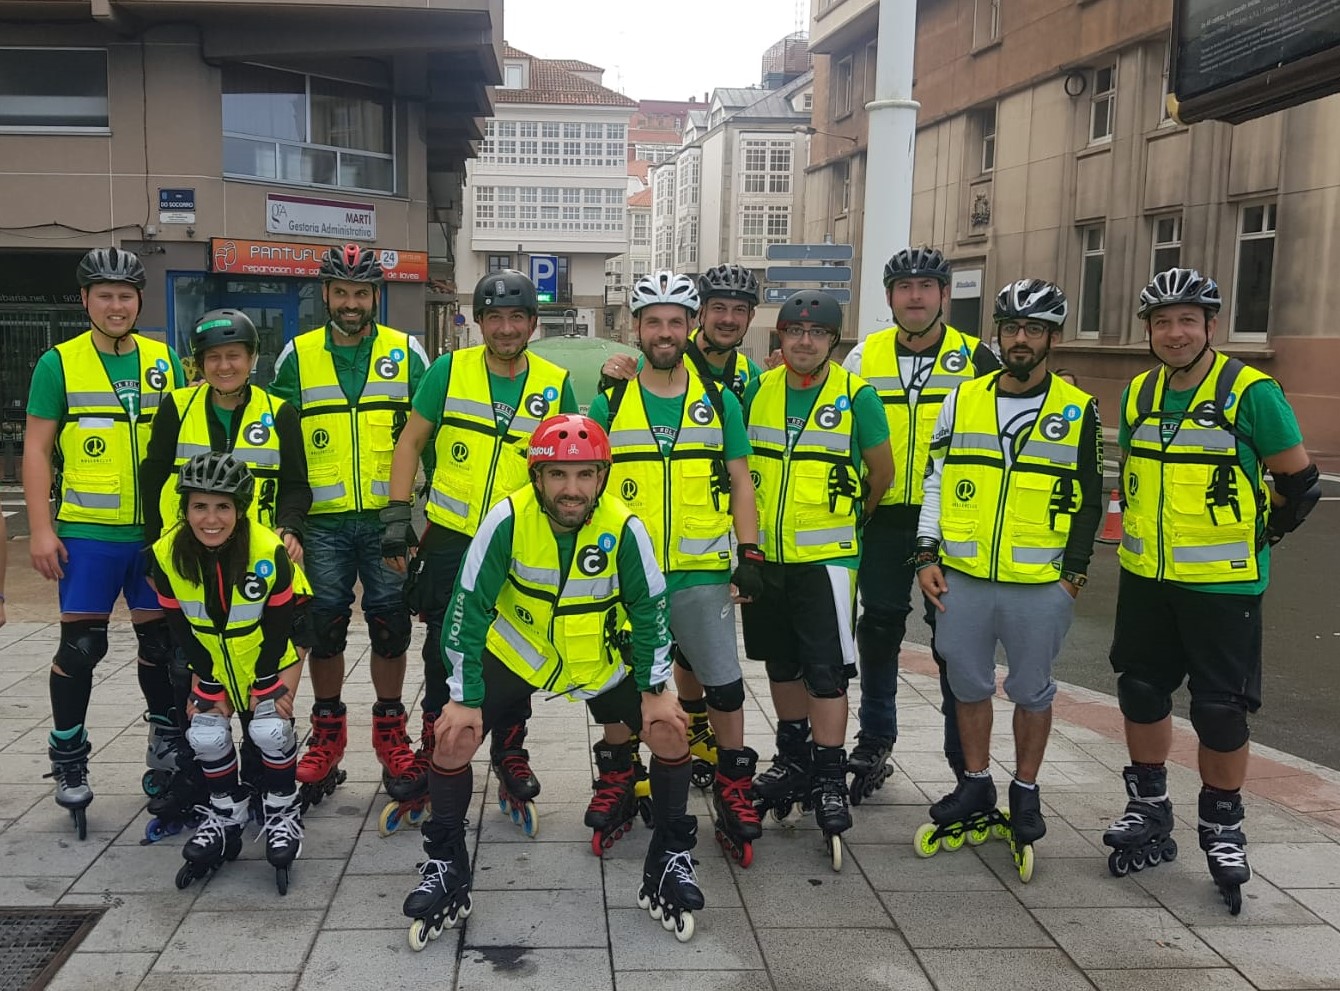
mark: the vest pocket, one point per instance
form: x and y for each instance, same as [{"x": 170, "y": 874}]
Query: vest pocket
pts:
[
  {"x": 89, "y": 496},
  {"x": 958, "y": 538},
  {"x": 695, "y": 487},
  {"x": 327, "y": 486},
  {"x": 1033, "y": 497}
]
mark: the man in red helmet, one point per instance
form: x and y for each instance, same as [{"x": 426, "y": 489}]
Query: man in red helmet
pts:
[{"x": 554, "y": 573}]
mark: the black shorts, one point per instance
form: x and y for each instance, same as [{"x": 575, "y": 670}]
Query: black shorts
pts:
[
  {"x": 803, "y": 625},
  {"x": 507, "y": 699},
  {"x": 1167, "y": 633}
]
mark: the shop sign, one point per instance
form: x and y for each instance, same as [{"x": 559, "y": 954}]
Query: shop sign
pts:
[
  {"x": 286, "y": 258},
  {"x": 302, "y": 216}
]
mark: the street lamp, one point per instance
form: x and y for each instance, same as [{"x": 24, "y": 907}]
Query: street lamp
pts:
[{"x": 811, "y": 131}]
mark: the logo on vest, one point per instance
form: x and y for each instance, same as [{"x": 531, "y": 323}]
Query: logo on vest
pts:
[
  {"x": 320, "y": 439},
  {"x": 252, "y": 587},
  {"x": 628, "y": 489},
  {"x": 955, "y": 361},
  {"x": 965, "y": 490},
  {"x": 756, "y": 478},
  {"x": 828, "y": 417},
  {"x": 1053, "y": 426},
  {"x": 1071, "y": 412},
  {"x": 1206, "y": 414},
  {"x": 156, "y": 378},
  {"x": 1132, "y": 483},
  {"x": 389, "y": 366},
  {"x": 460, "y": 453},
  {"x": 592, "y": 560},
  {"x": 701, "y": 412},
  {"x": 256, "y": 433},
  {"x": 95, "y": 447},
  {"x": 524, "y": 615},
  {"x": 537, "y": 405}
]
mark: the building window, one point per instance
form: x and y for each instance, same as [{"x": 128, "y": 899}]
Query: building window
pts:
[
  {"x": 1091, "y": 281},
  {"x": 499, "y": 262},
  {"x": 688, "y": 182},
  {"x": 842, "y": 87},
  {"x": 842, "y": 179},
  {"x": 871, "y": 61},
  {"x": 1255, "y": 269},
  {"x": 807, "y": 102},
  {"x": 767, "y": 166},
  {"x": 53, "y": 88},
  {"x": 1164, "y": 115},
  {"x": 987, "y": 118},
  {"x": 306, "y": 130},
  {"x": 641, "y": 229},
  {"x": 1103, "y": 109},
  {"x": 514, "y": 75},
  {"x": 761, "y": 226},
  {"x": 986, "y": 23},
  {"x": 1167, "y": 250}
]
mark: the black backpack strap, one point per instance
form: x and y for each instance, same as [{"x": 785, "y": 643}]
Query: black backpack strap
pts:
[
  {"x": 615, "y": 398},
  {"x": 710, "y": 385}
]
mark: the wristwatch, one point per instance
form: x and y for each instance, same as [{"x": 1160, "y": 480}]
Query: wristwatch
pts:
[
  {"x": 1075, "y": 578},
  {"x": 657, "y": 689}
]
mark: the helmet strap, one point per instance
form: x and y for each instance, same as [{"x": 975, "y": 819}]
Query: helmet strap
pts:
[
  {"x": 933, "y": 325},
  {"x": 1025, "y": 374}
]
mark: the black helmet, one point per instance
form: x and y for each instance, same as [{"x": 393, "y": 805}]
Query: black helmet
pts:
[
  {"x": 1179, "y": 285},
  {"x": 111, "y": 265},
  {"x": 917, "y": 263},
  {"x": 215, "y": 471},
  {"x": 728, "y": 282},
  {"x": 814, "y": 306},
  {"x": 1031, "y": 299},
  {"x": 351, "y": 263},
  {"x": 505, "y": 288},
  {"x": 223, "y": 327}
]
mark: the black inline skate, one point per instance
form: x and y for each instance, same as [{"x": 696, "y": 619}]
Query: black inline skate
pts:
[
  {"x": 968, "y": 814},
  {"x": 829, "y": 799},
  {"x": 442, "y": 897},
  {"x": 1142, "y": 837},
  {"x": 869, "y": 765},
  {"x": 283, "y": 834},
  {"x": 163, "y": 755},
  {"x": 217, "y": 839},
  {"x": 176, "y": 807},
  {"x": 737, "y": 822},
  {"x": 517, "y": 783},
  {"x": 614, "y": 804},
  {"x": 786, "y": 783},
  {"x": 1224, "y": 843},
  {"x": 669, "y": 890},
  {"x": 414, "y": 809},
  {"x": 69, "y": 770},
  {"x": 702, "y": 743}
]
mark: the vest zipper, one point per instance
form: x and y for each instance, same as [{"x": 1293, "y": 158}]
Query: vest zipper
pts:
[
  {"x": 553, "y": 617},
  {"x": 358, "y": 472}
]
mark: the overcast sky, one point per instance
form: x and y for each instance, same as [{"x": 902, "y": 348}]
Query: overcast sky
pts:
[{"x": 656, "y": 49}]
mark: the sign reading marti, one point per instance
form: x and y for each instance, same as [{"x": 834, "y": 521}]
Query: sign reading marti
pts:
[{"x": 302, "y": 216}]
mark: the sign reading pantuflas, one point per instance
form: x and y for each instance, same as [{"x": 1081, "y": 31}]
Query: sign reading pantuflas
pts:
[
  {"x": 283, "y": 258},
  {"x": 303, "y": 216}
]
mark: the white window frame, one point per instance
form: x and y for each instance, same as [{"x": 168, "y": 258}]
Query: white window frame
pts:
[
  {"x": 1155, "y": 245},
  {"x": 985, "y": 23},
  {"x": 1267, "y": 230},
  {"x": 1165, "y": 118},
  {"x": 1108, "y": 99},
  {"x": 63, "y": 128},
  {"x": 1088, "y": 251},
  {"x": 842, "y": 88},
  {"x": 987, "y": 120},
  {"x": 843, "y": 173},
  {"x": 514, "y": 71}
]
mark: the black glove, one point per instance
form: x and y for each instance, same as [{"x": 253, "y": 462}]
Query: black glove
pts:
[
  {"x": 748, "y": 576},
  {"x": 397, "y": 531}
]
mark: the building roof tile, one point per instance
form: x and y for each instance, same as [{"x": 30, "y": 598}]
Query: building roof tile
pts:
[{"x": 554, "y": 82}]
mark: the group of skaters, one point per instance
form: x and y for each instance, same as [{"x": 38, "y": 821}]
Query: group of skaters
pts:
[{"x": 599, "y": 558}]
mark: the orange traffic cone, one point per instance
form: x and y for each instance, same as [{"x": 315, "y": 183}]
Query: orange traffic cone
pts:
[{"x": 1112, "y": 523}]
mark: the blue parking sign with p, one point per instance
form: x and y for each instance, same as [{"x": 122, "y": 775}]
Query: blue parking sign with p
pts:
[{"x": 544, "y": 273}]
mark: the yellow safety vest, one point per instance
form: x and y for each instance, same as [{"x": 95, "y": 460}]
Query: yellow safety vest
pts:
[
  {"x": 1192, "y": 513},
  {"x": 810, "y": 496},
  {"x": 349, "y": 446},
  {"x": 236, "y": 645},
  {"x": 683, "y": 498},
  {"x": 1011, "y": 524},
  {"x": 910, "y": 434},
  {"x": 477, "y": 467},
  {"x": 736, "y": 373},
  {"x": 257, "y": 445},
  {"x": 556, "y": 631},
  {"x": 98, "y": 446}
]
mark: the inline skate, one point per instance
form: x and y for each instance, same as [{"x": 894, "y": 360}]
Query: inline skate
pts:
[
  {"x": 702, "y": 743},
  {"x": 737, "y": 822},
  {"x": 969, "y": 814},
  {"x": 391, "y": 745},
  {"x": 829, "y": 799},
  {"x": 669, "y": 890},
  {"x": 1142, "y": 836},
  {"x": 786, "y": 783},
  {"x": 319, "y": 772},
  {"x": 1224, "y": 843},
  {"x": 869, "y": 765},
  {"x": 442, "y": 897},
  {"x": 217, "y": 839},
  {"x": 414, "y": 810},
  {"x": 614, "y": 804},
  {"x": 163, "y": 755},
  {"x": 176, "y": 807},
  {"x": 69, "y": 769},
  {"x": 517, "y": 783},
  {"x": 282, "y": 829}
]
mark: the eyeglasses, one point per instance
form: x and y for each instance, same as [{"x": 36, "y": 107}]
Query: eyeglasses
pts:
[
  {"x": 796, "y": 332},
  {"x": 1032, "y": 331}
]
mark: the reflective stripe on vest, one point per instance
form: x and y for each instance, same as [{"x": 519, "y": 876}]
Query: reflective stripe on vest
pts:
[
  {"x": 1011, "y": 524},
  {"x": 1192, "y": 513},
  {"x": 559, "y": 635},
  {"x": 809, "y": 497},
  {"x": 99, "y": 448},
  {"x": 477, "y": 466},
  {"x": 683, "y": 498},
  {"x": 909, "y": 431},
  {"x": 349, "y": 446}
]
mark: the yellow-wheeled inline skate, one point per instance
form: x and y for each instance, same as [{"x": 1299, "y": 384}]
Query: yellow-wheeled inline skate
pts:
[{"x": 969, "y": 815}]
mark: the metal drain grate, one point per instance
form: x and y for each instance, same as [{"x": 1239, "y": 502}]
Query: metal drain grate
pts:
[{"x": 34, "y": 942}]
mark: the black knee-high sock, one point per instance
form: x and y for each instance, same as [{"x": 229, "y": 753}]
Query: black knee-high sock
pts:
[
  {"x": 449, "y": 792},
  {"x": 156, "y": 684},
  {"x": 69, "y": 699}
]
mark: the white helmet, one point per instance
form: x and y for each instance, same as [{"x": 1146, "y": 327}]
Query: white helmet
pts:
[
  {"x": 664, "y": 287},
  {"x": 1032, "y": 299}
]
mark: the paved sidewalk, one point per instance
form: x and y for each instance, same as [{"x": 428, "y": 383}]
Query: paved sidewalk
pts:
[{"x": 548, "y": 915}]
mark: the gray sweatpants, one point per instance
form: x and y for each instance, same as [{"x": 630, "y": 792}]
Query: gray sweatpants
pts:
[{"x": 1029, "y": 621}]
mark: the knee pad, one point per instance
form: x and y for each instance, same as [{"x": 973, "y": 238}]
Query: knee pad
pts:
[
  {"x": 330, "y": 633},
  {"x": 1141, "y": 702},
  {"x": 1221, "y": 724},
  {"x": 782, "y": 672},
  {"x": 390, "y": 633},
  {"x": 155, "y": 642},
  {"x": 725, "y": 698},
  {"x": 210, "y": 736},
  {"x": 83, "y": 644},
  {"x": 304, "y": 633},
  {"x": 274, "y": 735},
  {"x": 826, "y": 682}
]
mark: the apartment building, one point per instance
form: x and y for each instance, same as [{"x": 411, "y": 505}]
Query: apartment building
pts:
[
  {"x": 1044, "y": 147},
  {"x": 229, "y": 144},
  {"x": 551, "y": 179}
]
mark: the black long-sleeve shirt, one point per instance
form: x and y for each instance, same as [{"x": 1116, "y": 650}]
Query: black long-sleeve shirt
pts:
[{"x": 294, "y": 495}]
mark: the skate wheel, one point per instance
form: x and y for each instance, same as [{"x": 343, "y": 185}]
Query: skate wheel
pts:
[
  {"x": 746, "y": 854},
  {"x": 434, "y": 932},
  {"x": 978, "y": 836},
  {"x": 684, "y": 927},
  {"x": 1000, "y": 831},
  {"x": 1118, "y": 863},
  {"x": 515, "y": 813},
  {"x": 668, "y": 922},
  {"x": 461, "y": 914},
  {"x": 184, "y": 877},
  {"x": 855, "y": 796},
  {"x": 954, "y": 841},
  {"x": 80, "y": 818},
  {"x": 780, "y": 812},
  {"x": 418, "y": 935},
  {"x": 1138, "y": 860},
  {"x": 642, "y": 789},
  {"x": 416, "y": 816},
  {"x": 150, "y": 785},
  {"x": 926, "y": 843},
  {"x": 597, "y": 844},
  {"x": 1170, "y": 851},
  {"x": 835, "y": 851},
  {"x": 389, "y": 821},
  {"x": 530, "y": 820},
  {"x": 281, "y": 880},
  {"x": 502, "y": 805},
  {"x": 702, "y": 774},
  {"x": 1024, "y": 861},
  {"x": 1155, "y": 857},
  {"x": 1233, "y": 899}
]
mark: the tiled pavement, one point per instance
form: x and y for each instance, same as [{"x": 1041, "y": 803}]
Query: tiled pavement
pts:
[{"x": 547, "y": 914}]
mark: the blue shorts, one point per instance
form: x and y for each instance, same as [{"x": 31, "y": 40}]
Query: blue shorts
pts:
[
  {"x": 338, "y": 553},
  {"x": 100, "y": 570}
]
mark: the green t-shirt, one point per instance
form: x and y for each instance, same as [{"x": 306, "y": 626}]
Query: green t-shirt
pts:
[
  {"x": 47, "y": 400},
  {"x": 224, "y": 416},
  {"x": 1267, "y": 422},
  {"x": 431, "y": 396},
  {"x": 664, "y": 416},
  {"x": 869, "y": 429}
]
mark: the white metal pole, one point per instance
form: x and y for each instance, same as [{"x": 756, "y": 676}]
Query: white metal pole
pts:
[{"x": 888, "y": 164}]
